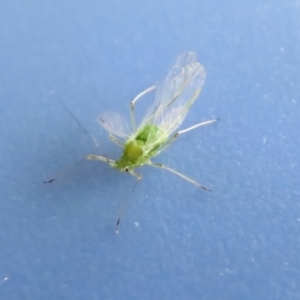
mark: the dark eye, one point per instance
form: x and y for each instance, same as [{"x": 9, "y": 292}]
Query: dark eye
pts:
[{"x": 126, "y": 169}]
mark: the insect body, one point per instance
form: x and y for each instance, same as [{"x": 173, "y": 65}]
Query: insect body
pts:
[{"x": 157, "y": 131}]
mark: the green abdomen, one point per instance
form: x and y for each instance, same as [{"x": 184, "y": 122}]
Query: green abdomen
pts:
[{"x": 149, "y": 134}]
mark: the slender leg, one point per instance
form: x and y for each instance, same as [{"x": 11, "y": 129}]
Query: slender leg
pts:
[
  {"x": 195, "y": 126},
  {"x": 158, "y": 165},
  {"x": 101, "y": 158},
  {"x": 89, "y": 157},
  {"x": 115, "y": 140},
  {"x": 178, "y": 133},
  {"x": 137, "y": 175},
  {"x": 132, "y": 103}
]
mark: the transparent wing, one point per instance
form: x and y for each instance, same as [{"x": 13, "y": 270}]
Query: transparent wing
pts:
[
  {"x": 176, "y": 94},
  {"x": 115, "y": 124}
]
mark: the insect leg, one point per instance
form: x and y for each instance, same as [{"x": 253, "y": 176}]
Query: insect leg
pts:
[
  {"x": 132, "y": 104},
  {"x": 115, "y": 140},
  {"x": 178, "y": 133},
  {"x": 136, "y": 175},
  {"x": 101, "y": 158},
  {"x": 158, "y": 165},
  {"x": 72, "y": 167},
  {"x": 195, "y": 126}
]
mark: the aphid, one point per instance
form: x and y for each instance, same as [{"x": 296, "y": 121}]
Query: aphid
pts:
[
  {"x": 172, "y": 101},
  {"x": 171, "y": 104}
]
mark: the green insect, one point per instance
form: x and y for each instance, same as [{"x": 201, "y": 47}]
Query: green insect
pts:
[{"x": 172, "y": 102}]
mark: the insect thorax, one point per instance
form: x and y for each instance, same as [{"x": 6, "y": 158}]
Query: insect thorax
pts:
[{"x": 141, "y": 147}]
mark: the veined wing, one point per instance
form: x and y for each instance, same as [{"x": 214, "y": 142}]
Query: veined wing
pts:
[
  {"x": 115, "y": 124},
  {"x": 176, "y": 94}
]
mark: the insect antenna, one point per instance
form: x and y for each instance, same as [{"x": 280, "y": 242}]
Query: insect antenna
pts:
[
  {"x": 77, "y": 122},
  {"x": 125, "y": 206},
  {"x": 62, "y": 174}
]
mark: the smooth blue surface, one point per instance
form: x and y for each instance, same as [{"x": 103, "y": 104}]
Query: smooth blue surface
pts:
[{"x": 241, "y": 241}]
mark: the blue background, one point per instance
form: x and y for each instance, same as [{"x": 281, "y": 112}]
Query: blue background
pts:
[{"x": 241, "y": 241}]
